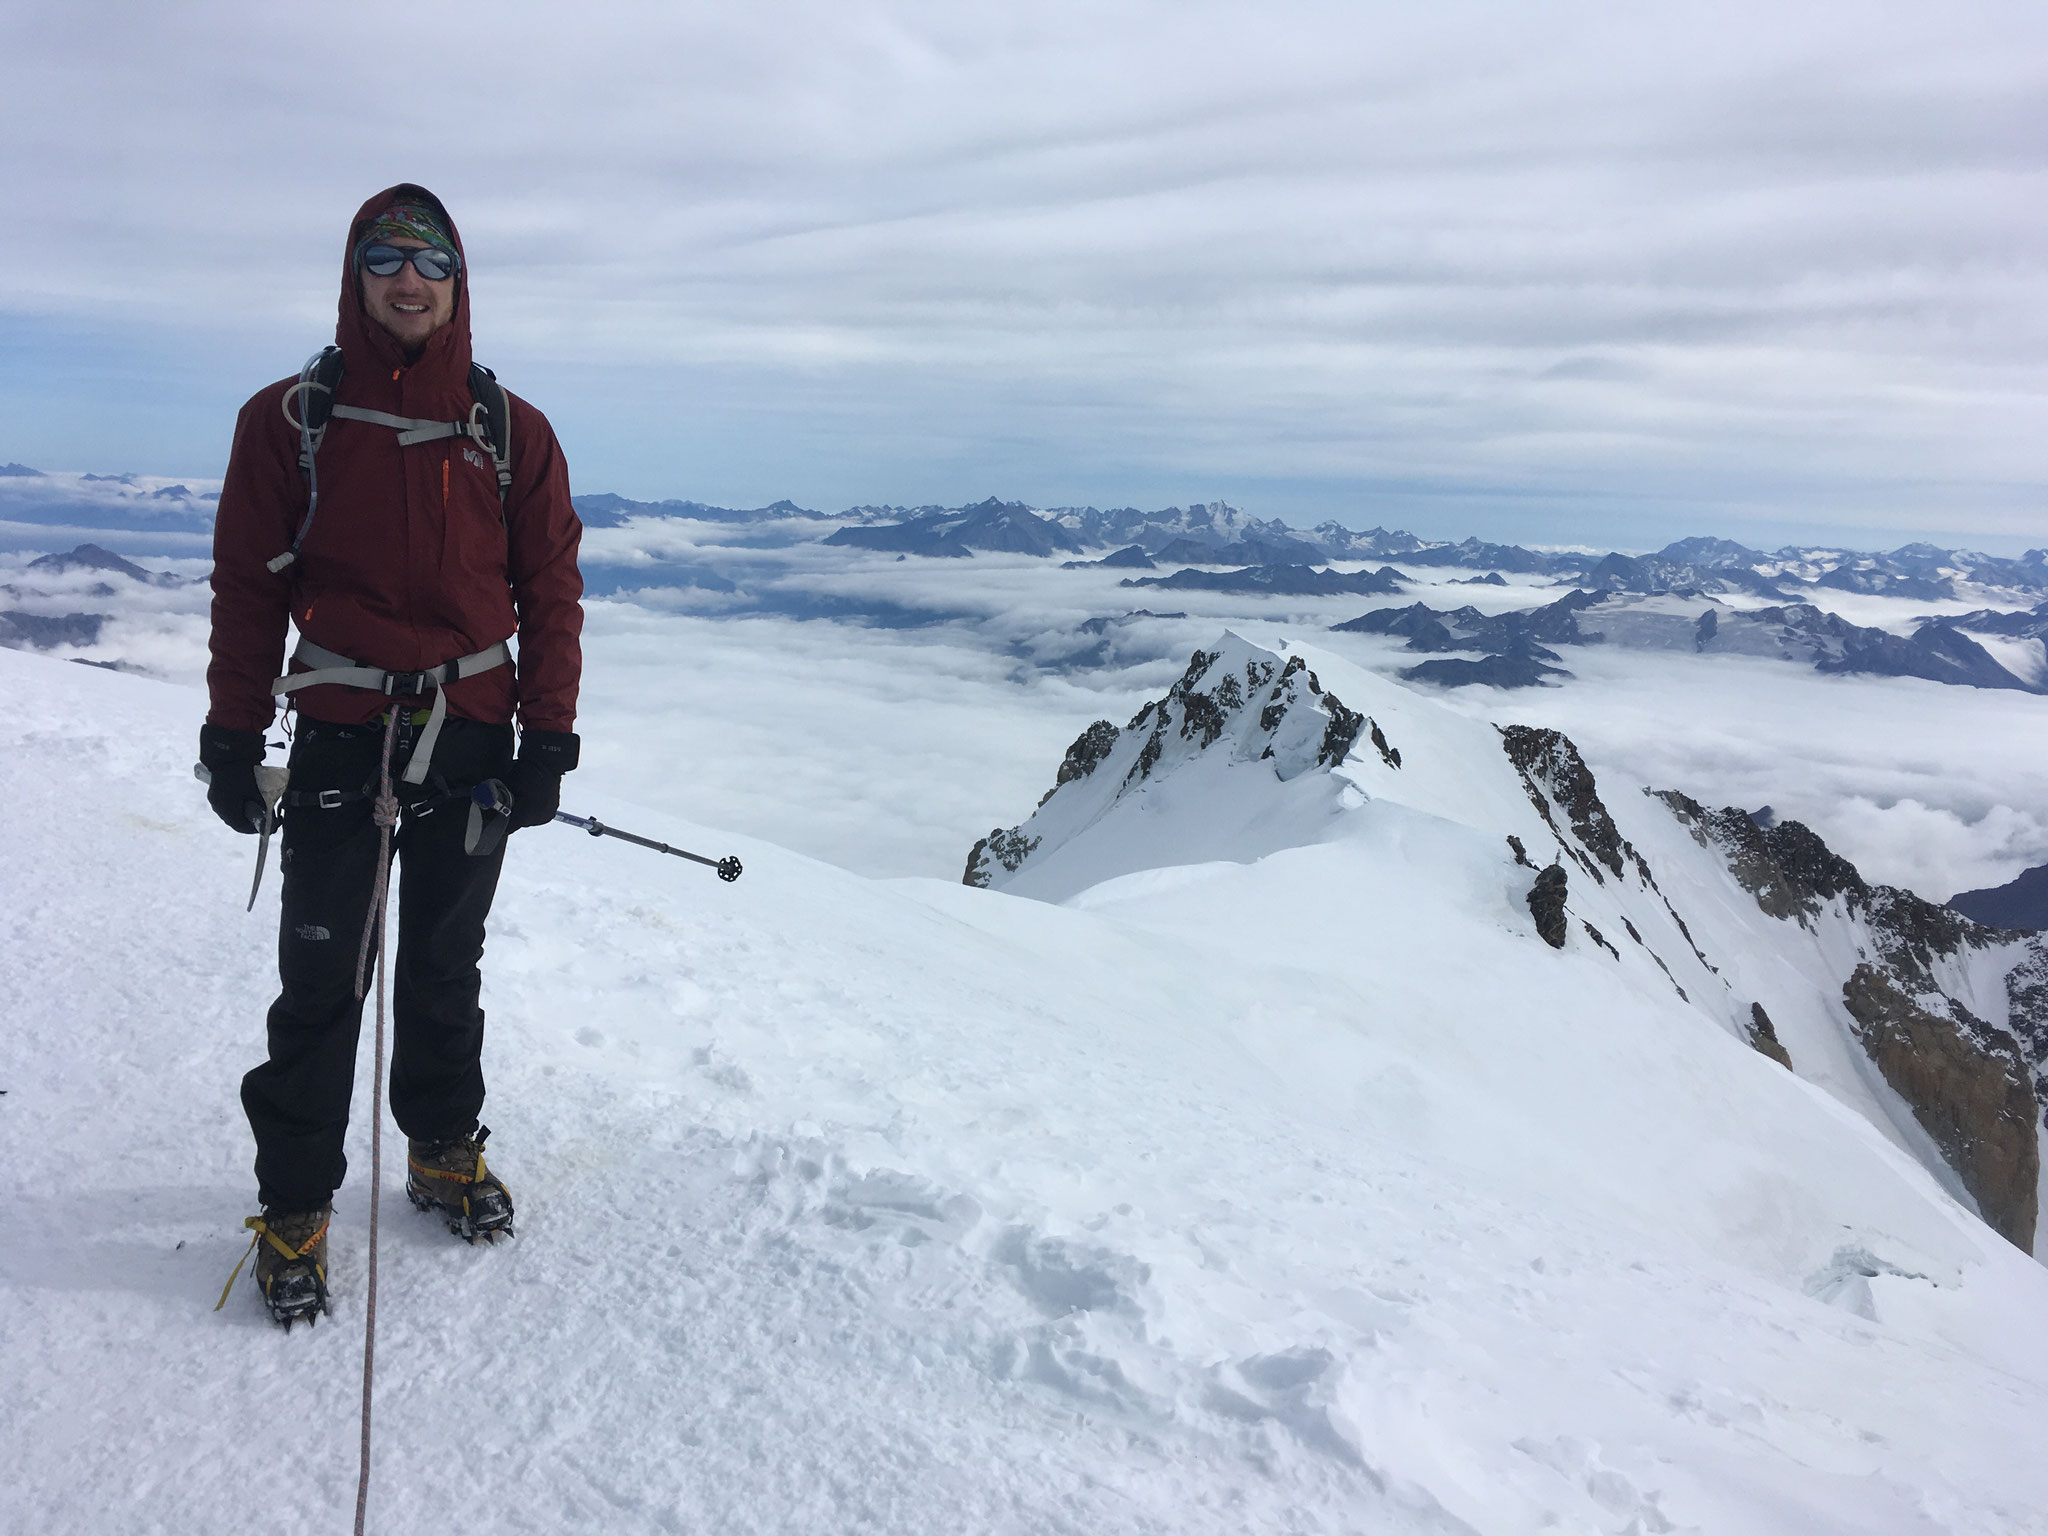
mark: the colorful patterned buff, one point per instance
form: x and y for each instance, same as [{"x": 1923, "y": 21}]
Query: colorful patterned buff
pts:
[{"x": 408, "y": 221}]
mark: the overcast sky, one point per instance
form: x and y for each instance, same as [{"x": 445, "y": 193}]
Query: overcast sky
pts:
[{"x": 1549, "y": 271}]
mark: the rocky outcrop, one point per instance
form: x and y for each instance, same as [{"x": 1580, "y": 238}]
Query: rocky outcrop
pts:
[
  {"x": 1788, "y": 869},
  {"x": 1008, "y": 848},
  {"x": 1089, "y": 748},
  {"x": 1764, "y": 1036},
  {"x": 1977, "y": 1089},
  {"x": 1389, "y": 755},
  {"x": 1553, "y": 772},
  {"x": 1546, "y": 904},
  {"x": 1968, "y": 1087}
]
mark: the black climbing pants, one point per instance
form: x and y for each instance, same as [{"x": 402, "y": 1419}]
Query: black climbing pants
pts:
[{"x": 298, "y": 1100}]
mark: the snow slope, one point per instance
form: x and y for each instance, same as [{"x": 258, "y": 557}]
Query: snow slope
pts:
[{"x": 1305, "y": 1194}]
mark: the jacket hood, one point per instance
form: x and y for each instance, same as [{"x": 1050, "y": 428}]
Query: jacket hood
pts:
[{"x": 359, "y": 336}]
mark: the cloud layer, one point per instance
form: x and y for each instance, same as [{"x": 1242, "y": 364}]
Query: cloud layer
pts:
[{"x": 1558, "y": 272}]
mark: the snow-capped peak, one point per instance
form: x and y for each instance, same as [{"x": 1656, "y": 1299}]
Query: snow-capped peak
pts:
[{"x": 1237, "y": 711}]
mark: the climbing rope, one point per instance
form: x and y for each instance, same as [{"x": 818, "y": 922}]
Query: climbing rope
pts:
[{"x": 385, "y": 814}]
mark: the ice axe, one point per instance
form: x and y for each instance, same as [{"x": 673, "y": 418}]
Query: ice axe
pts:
[
  {"x": 728, "y": 867},
  {"x": 270, "y": 782}
]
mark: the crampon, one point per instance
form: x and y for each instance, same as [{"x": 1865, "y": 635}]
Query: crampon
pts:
[
  {"x": 291, "y": 1265},
  {"x": 450, "y": 1178}
]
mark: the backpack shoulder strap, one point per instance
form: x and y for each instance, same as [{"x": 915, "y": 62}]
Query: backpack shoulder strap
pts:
[
  {"x": 497, "y": 421},
  {"x": 308, "y": 406}
]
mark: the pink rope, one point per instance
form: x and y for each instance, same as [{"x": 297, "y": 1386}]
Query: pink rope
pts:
[{"x": 385, "y": 813}]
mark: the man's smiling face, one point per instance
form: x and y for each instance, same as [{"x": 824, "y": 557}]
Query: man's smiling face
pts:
[{"x": 407, "y": 305}]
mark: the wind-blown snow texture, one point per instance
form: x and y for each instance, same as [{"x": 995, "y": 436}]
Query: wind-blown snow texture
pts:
[{"x": 1311, "y": 1193}]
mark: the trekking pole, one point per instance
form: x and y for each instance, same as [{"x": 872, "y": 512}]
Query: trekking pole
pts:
[{"x": 728, "y": 867}]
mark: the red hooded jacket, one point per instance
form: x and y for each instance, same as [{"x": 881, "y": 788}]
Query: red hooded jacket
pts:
[{"x": 407, "y": 564}]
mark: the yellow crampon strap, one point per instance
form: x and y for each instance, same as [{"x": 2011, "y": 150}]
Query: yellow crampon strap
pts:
[
  {"x": 262, "y": 1230},
  {"x": 449, "y": 1173}
]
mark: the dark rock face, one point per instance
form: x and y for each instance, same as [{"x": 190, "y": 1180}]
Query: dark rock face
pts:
[
  {"x": 1340, "y": 733},
  {"x": 2026, "y": 996},
  {"x": 1969, "y": 1090},
  {"x": 1548, "y": 762},
  {"x": 1789, "y": 870},
  {"x": 1005, "y": 847},
  {"x": 1764, "y": 1036},
  {"x": 1089, "y": 748},
  {"x": 1389, "y": 755},
  {"x": 2022, "y": 902},
  {"x": 1964, "y": 1078},
  {"x": 1546, "y": 904}
]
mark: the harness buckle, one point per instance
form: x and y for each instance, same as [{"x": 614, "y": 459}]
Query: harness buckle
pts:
[
  {"x": 411, "y": 684},
  {"x": 330, "y": 800}
]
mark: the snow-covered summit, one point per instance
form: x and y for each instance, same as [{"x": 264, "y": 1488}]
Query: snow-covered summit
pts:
[{"x": 1163, "y": 789}]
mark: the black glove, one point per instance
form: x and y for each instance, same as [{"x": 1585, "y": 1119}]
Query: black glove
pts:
[
  {"x": 536, "y": 779},
  {"x": 230, "y": 758}
]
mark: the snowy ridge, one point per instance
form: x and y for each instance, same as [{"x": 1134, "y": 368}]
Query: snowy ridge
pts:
[
  {"x": 1237, "y": 764},
  {"x": 1311, "y": 1193}
]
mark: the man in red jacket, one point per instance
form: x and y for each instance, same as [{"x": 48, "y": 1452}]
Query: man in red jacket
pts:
[{"x": 390, "y": 544}]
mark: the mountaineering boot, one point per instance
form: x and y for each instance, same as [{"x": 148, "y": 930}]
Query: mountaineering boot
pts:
[
  {"x": 450, "y": 1177},
  {"x": 291, "y": 1263}
]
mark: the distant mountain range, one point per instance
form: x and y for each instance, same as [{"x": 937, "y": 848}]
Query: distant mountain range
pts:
[
  {"x": 1203, "y": 533},
  {"x": 1691, "y": 620},
  {"x": 1217, "y": 533}
]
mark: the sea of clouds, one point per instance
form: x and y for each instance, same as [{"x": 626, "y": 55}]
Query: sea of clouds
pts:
[{"x": 884, "y": 713}]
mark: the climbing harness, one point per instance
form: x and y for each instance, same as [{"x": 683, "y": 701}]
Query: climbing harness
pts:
[{"x": 332, "y": 667}]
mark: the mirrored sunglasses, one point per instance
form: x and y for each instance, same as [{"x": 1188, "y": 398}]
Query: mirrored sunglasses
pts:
[{"x": 430, "y": 261}]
